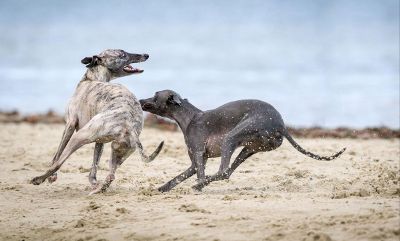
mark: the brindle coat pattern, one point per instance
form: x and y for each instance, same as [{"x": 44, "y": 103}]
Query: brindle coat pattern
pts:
[
  {"x": 253, "y": 124},
  {"x": 102, "y": 112}
]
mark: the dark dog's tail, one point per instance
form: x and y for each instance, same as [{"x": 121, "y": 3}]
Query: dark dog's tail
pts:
[
  {"x": 307, "y": 153},
  {"x": 153, "y": 155}
]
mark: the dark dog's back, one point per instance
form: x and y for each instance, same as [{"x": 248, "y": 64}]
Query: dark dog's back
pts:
[{"x": 230, "y": 114}]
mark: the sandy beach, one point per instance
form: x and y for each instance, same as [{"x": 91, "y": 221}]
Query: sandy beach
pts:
[{"x": 279, "y": 195}]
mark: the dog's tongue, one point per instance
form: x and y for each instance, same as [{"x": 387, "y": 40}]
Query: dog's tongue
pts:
[{"x": 130, "y": 69}]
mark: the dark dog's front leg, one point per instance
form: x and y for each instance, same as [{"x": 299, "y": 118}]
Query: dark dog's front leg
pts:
[
  {"x": 200, "y": 166},
  {"x": 199, "y": 186},
  {"x": 178, "y": 179}
]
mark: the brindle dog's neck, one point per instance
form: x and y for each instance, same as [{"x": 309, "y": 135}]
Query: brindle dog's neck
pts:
[
  {"x": 185, "y": 114},
  {"x": 97, "y": 73}
]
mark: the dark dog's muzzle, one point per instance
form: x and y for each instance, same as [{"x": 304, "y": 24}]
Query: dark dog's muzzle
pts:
[{"x": 146, "y": 105}]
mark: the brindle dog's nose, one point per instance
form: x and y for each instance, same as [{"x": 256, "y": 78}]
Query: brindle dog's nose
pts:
[{"x": 146, "y": 56}]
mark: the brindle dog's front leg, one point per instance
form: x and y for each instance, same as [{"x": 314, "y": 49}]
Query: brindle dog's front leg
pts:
[{"x": 120, "y": 152}]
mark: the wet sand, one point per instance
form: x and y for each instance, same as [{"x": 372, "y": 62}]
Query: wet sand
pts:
[{"x": 279, "y": 195}]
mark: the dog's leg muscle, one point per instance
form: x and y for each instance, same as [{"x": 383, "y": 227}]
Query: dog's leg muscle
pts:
[{"x": 232, "y": 140}]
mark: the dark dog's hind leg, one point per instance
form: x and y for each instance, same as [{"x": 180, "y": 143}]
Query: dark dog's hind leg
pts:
[
  {"x": 241, "y": 133},
  {"x": 243, "y": 155}
]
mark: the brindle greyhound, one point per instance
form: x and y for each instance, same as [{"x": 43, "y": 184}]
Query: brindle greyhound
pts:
[
  {"x": 254, "y": 124},
  {"x": 102, "y": 112}
]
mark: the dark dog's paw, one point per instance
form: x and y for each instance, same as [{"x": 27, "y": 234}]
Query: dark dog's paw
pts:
[
  {"x": 37, "y": 181},
  {"x": 202, "y": 180},
  {"x": 225, "y": 175},
  {"x": 198, "y": 187},
  {"x": 52, "y": 178},
  {"x": 163, "y": 189}
]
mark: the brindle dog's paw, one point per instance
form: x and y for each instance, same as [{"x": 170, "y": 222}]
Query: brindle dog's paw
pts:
[
  {"x": 37, "y": 181},
  {"x": 97, "y": 188}
]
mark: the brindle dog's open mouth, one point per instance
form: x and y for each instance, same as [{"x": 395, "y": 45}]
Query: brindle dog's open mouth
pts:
[{"x": 131, "y": 70}]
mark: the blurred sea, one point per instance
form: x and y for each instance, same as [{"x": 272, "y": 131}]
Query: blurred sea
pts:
[{"x": 328, "y": 63}]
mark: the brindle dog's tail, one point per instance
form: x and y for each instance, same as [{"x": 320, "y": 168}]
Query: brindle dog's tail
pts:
[
  {"x": 307, "y": 153},
  {"x": 150, "y": 158}
]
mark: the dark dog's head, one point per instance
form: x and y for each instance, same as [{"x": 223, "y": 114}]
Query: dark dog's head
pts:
[
  {"x": 163, "y": 103},
  {"x": 116, "y": 61}
]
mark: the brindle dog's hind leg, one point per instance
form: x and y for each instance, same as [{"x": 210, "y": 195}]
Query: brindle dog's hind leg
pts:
[
  {"x": 68, "y": 132},
  {"x": 82, "y": 137},
  {"x": 120, "y": 152},
  {"x": 98, "y": 150}
]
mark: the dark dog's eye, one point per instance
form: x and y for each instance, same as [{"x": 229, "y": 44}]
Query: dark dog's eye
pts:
[{"x": 147, "y": 106}]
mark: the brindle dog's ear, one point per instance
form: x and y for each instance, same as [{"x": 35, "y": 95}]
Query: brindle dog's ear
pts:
[
  {"x": 86, "y": 60},
  {"x": 174, "y": 99},
  {"x": 91, "y": 61}
]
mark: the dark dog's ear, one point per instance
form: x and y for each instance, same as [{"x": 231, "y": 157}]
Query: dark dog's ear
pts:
[
  {"x": 91, "y": 61},
  {"x": 174, "y": 99}
]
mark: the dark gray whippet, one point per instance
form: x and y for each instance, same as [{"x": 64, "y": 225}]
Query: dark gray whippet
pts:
[{"x": 253, "y": 124}]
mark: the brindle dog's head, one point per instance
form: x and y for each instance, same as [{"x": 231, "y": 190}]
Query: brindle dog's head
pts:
[
  {"x": 116, "y": 61},
  {"x": 164, "y": 103}
]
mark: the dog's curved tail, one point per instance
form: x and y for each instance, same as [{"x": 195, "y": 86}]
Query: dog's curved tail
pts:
[
  {"x": 307, "y": 153},
  {"x": 150, "y": 158}
]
